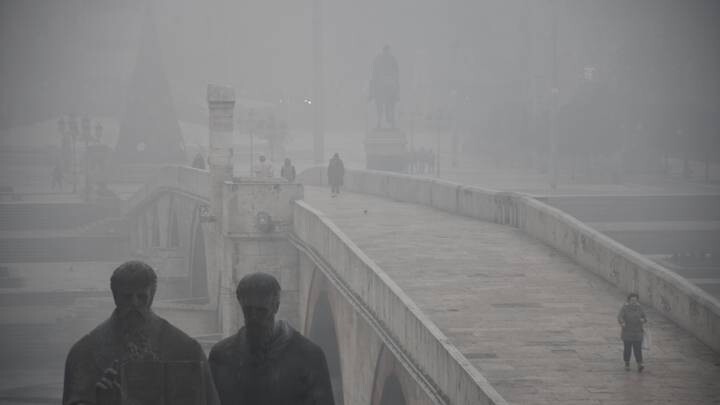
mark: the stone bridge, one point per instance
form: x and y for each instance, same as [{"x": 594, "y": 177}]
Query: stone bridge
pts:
[
  {"x": 424, "y": 291},
  {"x": 380, "y": 347}
]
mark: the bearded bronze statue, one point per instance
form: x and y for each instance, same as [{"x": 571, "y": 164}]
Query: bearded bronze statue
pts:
[{"x": 132, "y": 335}]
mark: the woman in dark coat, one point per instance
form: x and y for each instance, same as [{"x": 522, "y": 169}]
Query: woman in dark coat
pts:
[
  {"x": 336, "y": 173},
  {"x": 288, "y": 171},
  {"x": 631, "y": 319}
]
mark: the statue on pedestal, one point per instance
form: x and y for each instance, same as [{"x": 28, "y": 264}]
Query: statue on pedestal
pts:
[{"x": 385, "y": 86}]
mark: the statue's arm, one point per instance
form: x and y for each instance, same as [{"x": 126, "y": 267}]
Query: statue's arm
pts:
[
  {"x": 621, "y": 316},
  {"x": 80, "y": 375}
]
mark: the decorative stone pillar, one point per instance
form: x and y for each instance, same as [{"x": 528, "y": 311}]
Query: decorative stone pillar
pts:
[
  {"x": 257, "y": 216},
  {"x": 251, "y": 219},
  {"x": 221, "y": 103}
]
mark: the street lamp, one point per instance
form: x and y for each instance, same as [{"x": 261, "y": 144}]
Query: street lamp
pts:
[
  {"x": 555, "y": 93},
  {"x": 85, "y": 127},
  {"x": 64, "y": 147},
  {"x": 98, "y": 132},
  {"x": 317, "y": 98},
  {"x": 62, "y": 129},
  {"x": 74, "y": 132},
  {"x": 251, "y": 129}
]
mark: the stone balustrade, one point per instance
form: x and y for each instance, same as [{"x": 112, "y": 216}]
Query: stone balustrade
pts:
[
  {"x": 441, "y": 362},
  {"x": 677, "y": 298}
]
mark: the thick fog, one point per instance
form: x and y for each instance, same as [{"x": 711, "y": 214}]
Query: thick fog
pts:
[
  {"x": 606, "y": 109},
  {"x": 621, "y": 68}
]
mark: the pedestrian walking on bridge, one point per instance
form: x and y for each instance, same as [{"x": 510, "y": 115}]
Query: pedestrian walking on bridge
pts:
[
  {"x": 632, "y": 320},
  {"x": 57, "y": 178},
  {"x": 288, "y": 171},
  {"x": 335, "y": 173}
]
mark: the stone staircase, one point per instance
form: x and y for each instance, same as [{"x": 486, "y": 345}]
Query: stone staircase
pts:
[
  {"x": 17, "y": 216},
  {"x": 63, "y": 249},
  {"x": 60, "y": 232}
]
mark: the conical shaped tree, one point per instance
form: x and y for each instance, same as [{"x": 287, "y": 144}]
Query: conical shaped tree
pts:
[{"x": 149, "y": 130}]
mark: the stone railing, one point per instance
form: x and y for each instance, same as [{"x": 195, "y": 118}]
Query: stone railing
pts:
[
  {"x": 675, "y": 297},
  {"x": 195, "y": 183},
  {"x": 426, "y": 346},
  {"x": 192, "y": 181}
]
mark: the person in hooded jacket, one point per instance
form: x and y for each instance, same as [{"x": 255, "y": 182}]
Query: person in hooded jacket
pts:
[
  {"x": 632, "y": 320},
  {"x": 288, "y": 171},
  {"x": 336, "y": 174}
]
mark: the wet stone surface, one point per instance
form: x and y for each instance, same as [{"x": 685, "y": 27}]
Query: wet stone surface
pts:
[{"x": 540, "y": 328}]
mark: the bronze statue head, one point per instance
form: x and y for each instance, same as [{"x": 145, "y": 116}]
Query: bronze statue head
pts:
[
  {"x": 133, "y": 285},
  {"x": 259, "y": 297}
]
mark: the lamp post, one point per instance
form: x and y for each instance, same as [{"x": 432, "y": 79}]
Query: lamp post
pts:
[
  {"x": 74, "y": 132},
  {"x": 439, "y": 140},
  {"x": 251, "y": 128},
  {"x": 85, "y": 133},
  {"x": 453, "y": 128},
  {"x": 98, "y": 132},
  {"x": 62, "y": 129},
  {"x": 317, "y": 98},
  {"x": 555, "y": 93}
]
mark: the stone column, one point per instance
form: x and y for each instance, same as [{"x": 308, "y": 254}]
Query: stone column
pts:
[
  {"x": 221, "y": 103},
  {"x": 257, "y": 217}
]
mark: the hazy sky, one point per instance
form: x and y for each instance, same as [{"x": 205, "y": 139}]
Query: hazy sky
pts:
[{"x": 62, "y": 56}]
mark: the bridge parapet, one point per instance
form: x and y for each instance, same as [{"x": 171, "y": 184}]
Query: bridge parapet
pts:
[
  {"x": 451, "y": 376},
  {"x": 246, "y": 201},
  {"x": 186, "y": 179},
  {"x": 677, "y": 298},
  {"x": 672, "y": 295}
]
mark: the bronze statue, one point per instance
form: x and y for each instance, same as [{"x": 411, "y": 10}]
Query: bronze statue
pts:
[
  {"x": 385, "y": 86},
  {"x": 267, "y": 361},
  {"x": 132, "y": 335}
]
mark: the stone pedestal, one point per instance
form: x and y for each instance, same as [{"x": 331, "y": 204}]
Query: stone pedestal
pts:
[
  {"x": 257, "y": 216},
  {"x": 221, "y": 103},
  {"x": 251, "y": 218},
  {"x": 386, "y": 149}
]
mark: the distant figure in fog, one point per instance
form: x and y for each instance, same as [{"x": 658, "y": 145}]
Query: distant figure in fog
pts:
[
  {"x": 431, "y": 161},
  {"x": 423, "y": 161},
  {"x": 385, "y": 86},
  {"x": 263, "y": 168},
  {"x": 336, "y": 174},
  {"x": 199, "y": 162},
  {"x": 287, "y": 171},
  {"x": 57, "y": 178},
  {"x": 632, "y": 319},
  {"x": 132, "y": 333},
  {"x": 410, "y": 160}
]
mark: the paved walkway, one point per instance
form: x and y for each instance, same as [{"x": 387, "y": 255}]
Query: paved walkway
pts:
[{"x": 540, "y": 328}]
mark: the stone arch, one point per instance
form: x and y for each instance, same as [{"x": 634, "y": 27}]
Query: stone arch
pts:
[
  {"x": 173, "y": 238},
  {"x": 320, "y": 327},
  {"x": 387, "y": 386},
  {"x": 141, "y": 229},
  {"x": 198, "y": 260},
  {"x": 392, "y": 393},
  {"x": 155, "y": 224}
]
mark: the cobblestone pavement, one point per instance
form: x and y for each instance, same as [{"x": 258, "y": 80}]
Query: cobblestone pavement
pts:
[{"x": 539, "y": 327}]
